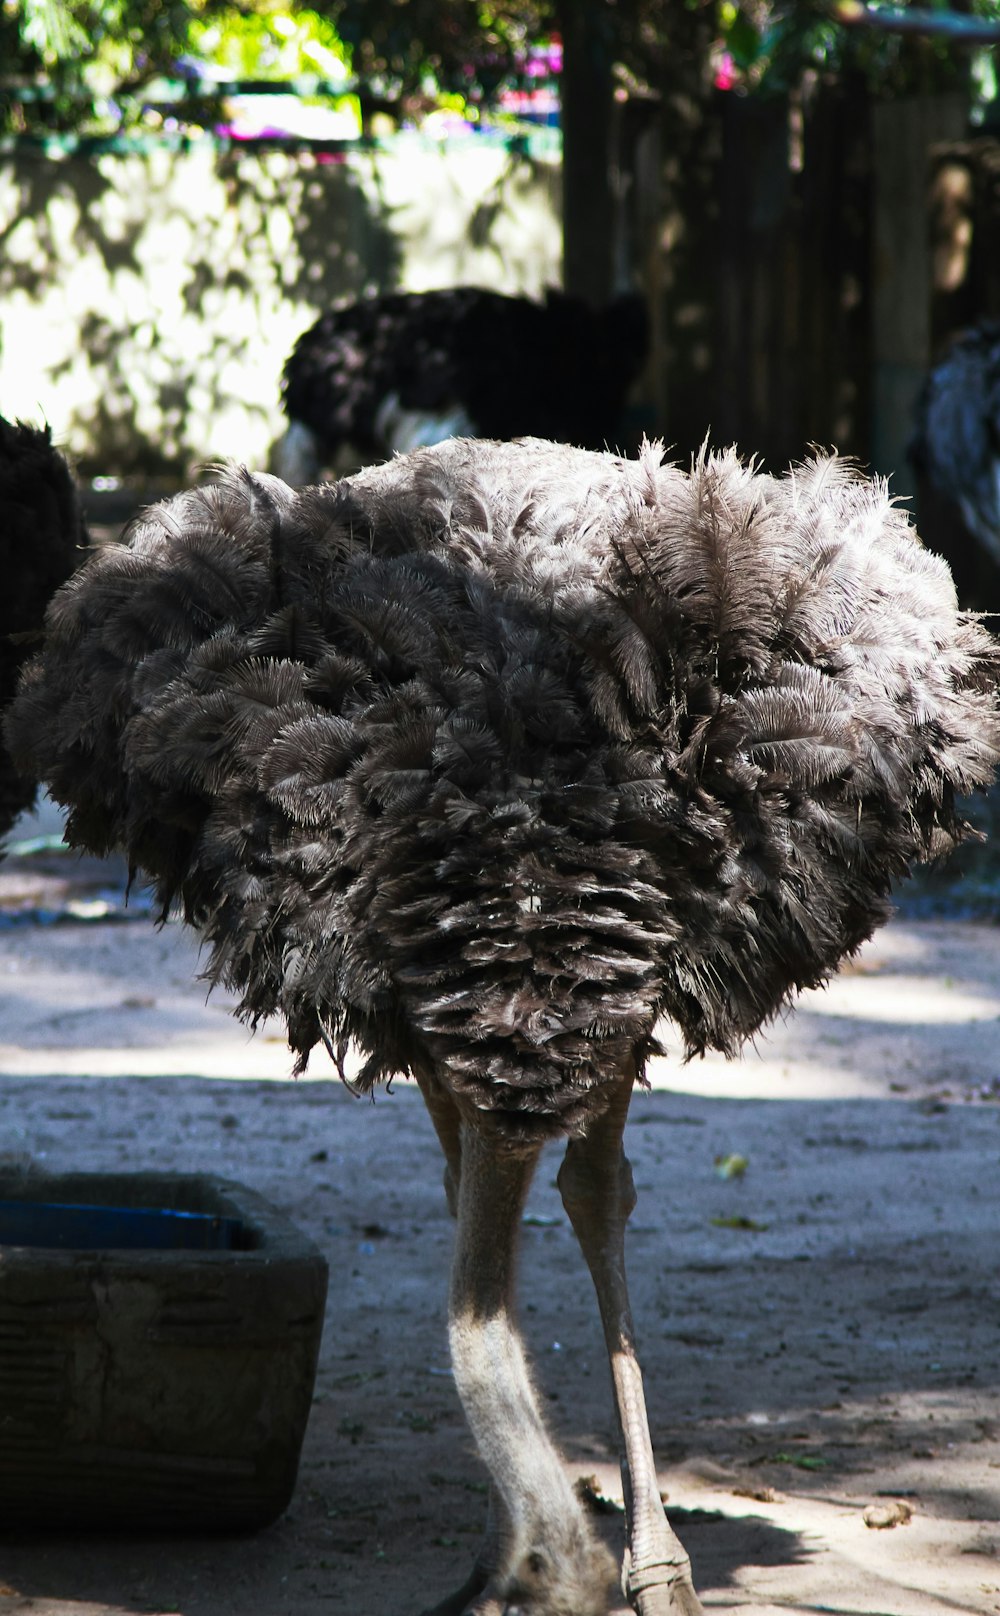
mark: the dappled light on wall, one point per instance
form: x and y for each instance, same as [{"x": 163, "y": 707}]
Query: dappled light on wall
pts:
[{"x": 149, "y": 297}]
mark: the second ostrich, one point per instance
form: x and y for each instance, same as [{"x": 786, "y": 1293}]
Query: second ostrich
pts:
[
  {"x": 484, "y": 760},
  {"x": 955, "y": 452},
  {"x": 42, "y": 538},
  {"x": 404, "y": 369}
]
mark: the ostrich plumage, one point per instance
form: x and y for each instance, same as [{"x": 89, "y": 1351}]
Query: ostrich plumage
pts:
[
  {"x": 484, "y": 760},
  {"x": 403, "y": 369},
  {"x": 42, "y": 537},
  {"x": 955, "y": 451}
]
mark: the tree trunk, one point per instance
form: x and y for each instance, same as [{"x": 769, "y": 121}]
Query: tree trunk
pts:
[
  {"x": 587, "y": 94},
  {"x": 905, "y": 131}
]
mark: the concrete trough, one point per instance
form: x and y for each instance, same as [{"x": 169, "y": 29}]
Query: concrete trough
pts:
[{"x": 159, "y": 1335}]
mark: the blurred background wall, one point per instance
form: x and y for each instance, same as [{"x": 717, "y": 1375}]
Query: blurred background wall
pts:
[{"x": 149, "y": 297}]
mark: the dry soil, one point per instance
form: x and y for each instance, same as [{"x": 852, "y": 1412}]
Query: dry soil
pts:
[{"x": 821, "y": 1335}]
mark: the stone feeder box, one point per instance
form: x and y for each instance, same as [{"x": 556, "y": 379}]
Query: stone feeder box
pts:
[{"x": 158, "y": 1343}]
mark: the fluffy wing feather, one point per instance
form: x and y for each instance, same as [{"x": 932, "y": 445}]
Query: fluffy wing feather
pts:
[{"x": 490, "y": 756}]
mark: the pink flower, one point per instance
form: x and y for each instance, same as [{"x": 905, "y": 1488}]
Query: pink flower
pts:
[{"x": 725, "y": 72}]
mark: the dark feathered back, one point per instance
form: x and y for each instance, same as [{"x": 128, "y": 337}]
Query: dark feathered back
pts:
[
  {"x": 956, "y": 441},
  {"x": 515, "y": 366},
  {"x": 42, "y": 534},
  {"x": 494, "y": 754}
]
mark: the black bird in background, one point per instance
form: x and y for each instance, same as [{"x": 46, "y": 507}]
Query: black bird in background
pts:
[
  {"x": 42, "y": 538},
  {"x": 406, "y": 369},
  {"x": 485, "y": 759},
  {"x": 955, "y": 451}
]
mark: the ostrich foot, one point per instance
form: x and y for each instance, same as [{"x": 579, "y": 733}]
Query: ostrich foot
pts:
[
  {"x": 574, "y": 1582},
  {"x": 543, "y": 1584},
  {"x": 661, "y": 1588}
]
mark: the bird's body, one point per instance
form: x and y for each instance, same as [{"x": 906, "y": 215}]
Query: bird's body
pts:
[
  {"x": 955, "y": 451},
  {"x": 397, "y": 371},
  {"x": 486, "y": 759},
  {"x": 42, "y": 536}
]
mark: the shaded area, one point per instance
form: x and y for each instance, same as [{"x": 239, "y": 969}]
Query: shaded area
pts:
[
  {"x": 836, "y": 1350},
  {"x": 965, "y": 885},
  {"x": 796, "y": 1374},
  {"x": 43, "y": 882}
]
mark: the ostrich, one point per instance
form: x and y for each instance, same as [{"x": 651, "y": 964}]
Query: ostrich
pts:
[
  {"x": 406, "y": 369},
  {"x": 42, "y": 537},
  {"x": 955, "y": 451},
  {"x": 482, "y": 761}
]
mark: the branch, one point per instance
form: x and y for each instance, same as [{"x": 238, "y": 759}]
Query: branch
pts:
[{"x": 953, "y": 25}]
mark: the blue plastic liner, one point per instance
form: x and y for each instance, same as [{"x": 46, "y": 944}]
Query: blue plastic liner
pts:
[{"x": 101, "y": 1228}]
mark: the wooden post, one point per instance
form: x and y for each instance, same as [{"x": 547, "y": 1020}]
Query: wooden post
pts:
[
  {"x": 586, "y": 96},
  {"x": 902, "y": 278}
]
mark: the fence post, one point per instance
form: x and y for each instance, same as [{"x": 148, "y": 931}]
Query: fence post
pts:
[{"x": 902, "y": 277}]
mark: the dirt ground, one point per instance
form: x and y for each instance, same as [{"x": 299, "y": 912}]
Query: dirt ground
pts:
[{"x": 839, "y": 1350}]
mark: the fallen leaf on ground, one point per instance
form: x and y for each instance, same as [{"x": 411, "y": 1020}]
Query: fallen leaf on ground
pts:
[{"x": 894, "y": 1512}]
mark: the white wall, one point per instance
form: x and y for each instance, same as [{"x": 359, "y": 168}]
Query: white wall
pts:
[{"x": 148, "y": 299}]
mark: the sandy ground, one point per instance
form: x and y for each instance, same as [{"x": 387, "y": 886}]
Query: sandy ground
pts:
[{"x": 842, "y": 1351}]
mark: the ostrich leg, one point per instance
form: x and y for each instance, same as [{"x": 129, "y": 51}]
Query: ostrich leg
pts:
[
  {"x": 550, "y": 1563},
  {"x": 447, "y": 1120},
  {"x": 595, "y": 1182}
]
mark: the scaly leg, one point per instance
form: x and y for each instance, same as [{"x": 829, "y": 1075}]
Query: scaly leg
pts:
[
  {"x": 551, "y": 1563},
  {"x": 446, "y": 1117},
  {"x": 595, "y": 1182}
]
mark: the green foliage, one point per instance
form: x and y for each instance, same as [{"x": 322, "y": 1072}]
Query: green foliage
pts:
[
  {"x": 279, "y": 42},
  {"x": 87, "y": 65},
  {"x": 773, "y": 43},
  {"x": 469, "y": 47},
  {"x": 50, "y": 30},
  {"x": 80, "y": 65},
  {"x": 97, "y": 66}
]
